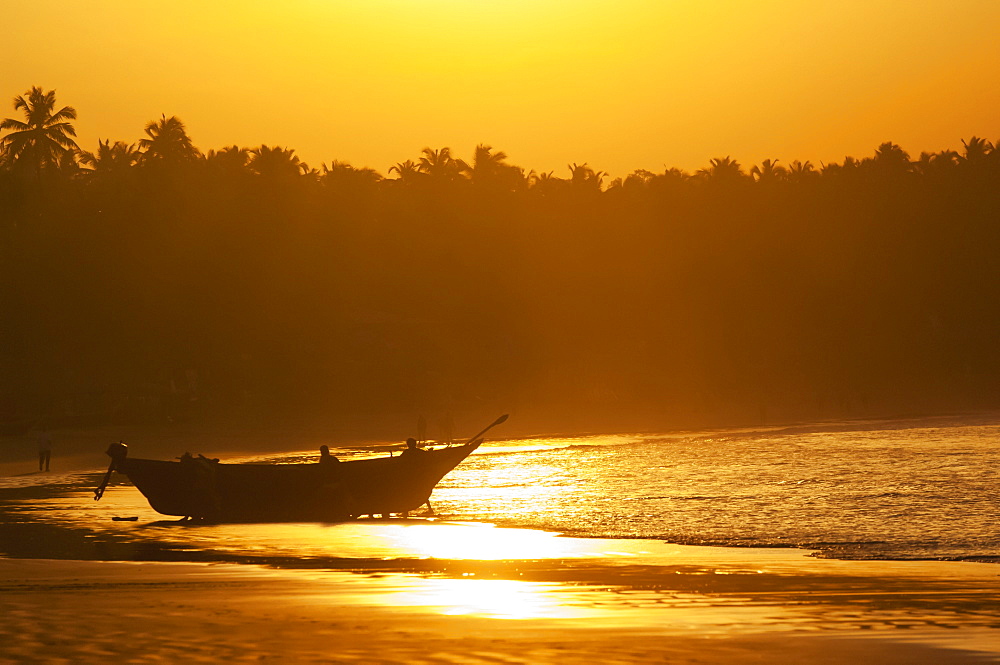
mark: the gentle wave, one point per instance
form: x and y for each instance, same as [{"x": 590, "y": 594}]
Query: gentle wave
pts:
[{"x": 908, "y": 490}]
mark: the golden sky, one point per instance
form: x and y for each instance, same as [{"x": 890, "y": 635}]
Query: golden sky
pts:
[{"x": 621, "y": 84}]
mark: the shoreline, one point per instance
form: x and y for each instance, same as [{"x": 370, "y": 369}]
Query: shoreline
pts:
[
  {"x": 102, "y": 535},
  {"x": 79, "y": 586},
  {"x": 82, "y": 448},
  {"x": 586, "y": 600}
]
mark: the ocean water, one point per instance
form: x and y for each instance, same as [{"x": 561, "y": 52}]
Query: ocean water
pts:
[
  {"x": 900, "y": 490},
  {"x": 912, "y": 489}
]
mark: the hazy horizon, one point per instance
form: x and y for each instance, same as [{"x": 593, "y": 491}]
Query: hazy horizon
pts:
[
  {"x": 755, "y": 290},
  {"x": 640, "y": 85}
]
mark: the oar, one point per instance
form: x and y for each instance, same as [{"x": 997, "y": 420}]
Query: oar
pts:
[
  {"x": 496, "y": 422},
  {"x": 99, "y": 492}
]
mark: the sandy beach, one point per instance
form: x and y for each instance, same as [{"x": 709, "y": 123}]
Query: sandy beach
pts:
[
  {"x": 77, "y": 586},
  {"x": 467, "y": 333},
  {"x": 579, "y": 600}
]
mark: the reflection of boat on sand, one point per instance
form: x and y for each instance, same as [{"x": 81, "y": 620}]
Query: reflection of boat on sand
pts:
[{"x": 203, "y": 488}]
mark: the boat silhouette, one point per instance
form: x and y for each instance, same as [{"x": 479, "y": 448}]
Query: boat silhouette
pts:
[{"x": 202, "y": 488}]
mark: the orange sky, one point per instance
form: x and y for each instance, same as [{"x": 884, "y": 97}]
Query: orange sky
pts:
[{"x": 622, "y": 85}]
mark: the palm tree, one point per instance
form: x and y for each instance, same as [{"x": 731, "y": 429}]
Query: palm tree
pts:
[
  {"x": 670, "y": 182},
  {"x": 585, "y": 178},
  {"x": 976, "y": 150},
  {"x": 512, "y": 178},
  {"x": 535, "y": 177},
  {"x": 768, "y": 171},
  {"x": 835, "y": 170},
  {"x": 674, "y": 174},
  {"x": 892, "y": 159},
  {"x": 486, "y": 164},
  {"x": 110, "y": 158},
  {"x": 230, "y": 158},
  {"x": 489, "y": 169},
  {"x": 935, "y": 163},
  {"x": 43, "y": 137},
  {"x": 440, "y": 165},
  {"x": 343, "y": 175},
  {"x": 168, "y": 142},
  {"x": 276, "y": 162},
  {"x": 69, "y": 163},
  {"x": 545, "y": 183},
  {"x": 637, "y": 180},
  {"x": 722, "y": 170},
  {"x": 801, "y": 171},
  {"x": 408, "y": 171}
]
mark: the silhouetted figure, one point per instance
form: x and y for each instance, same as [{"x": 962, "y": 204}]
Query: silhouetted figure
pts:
[
  {"x": 44, "y": 449},
  {"x": 447, "y": 429},
  {"x": 325, "y": 457},
  {"x": 411, "y": 448},
  {"x": 421, "y": 429}
]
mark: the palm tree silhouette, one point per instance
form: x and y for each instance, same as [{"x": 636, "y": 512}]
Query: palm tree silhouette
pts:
[
  {"x": 976, "y": 150},
  {"x": 936, "y": 163},
  {"x": 276, "y": 162},
  {"x": 892, "y": 159},
  {"x": 768, "y": 171},
  {"x": 799, "y": 171},
  {"x": 168, "y": 142},
  {"x": 69, "y": 164},
  {"x": 342, "y": 174},
  {"x": 722, "y": 170},
  {"x": 636, "y": 180},
  {"x": 545, "y": 183},
  {"x": 673, "y": 174},
  {"x": 230, "y": 158},
  {"x": 110, "y": 158},
  {"x": 486, "y": 164},
  {"x": 490, "y": 169},
  {"x": 849, "y": 167},
  {"x": 440, "y": 165},
  {"x": 408, "y": 171},
  {"x": 585, "y": 178},
  {"x": 43, "y": 137}
]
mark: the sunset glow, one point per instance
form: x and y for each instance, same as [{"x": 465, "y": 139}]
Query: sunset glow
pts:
[
  {"x": 496, "y": 599},
  {"x": 537, "y": 331},
  {"x": 637, "y": 84},
  {"x": 483, "y": 542}
]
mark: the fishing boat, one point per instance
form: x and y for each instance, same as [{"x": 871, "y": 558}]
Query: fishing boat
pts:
[{"x": 202, "y": 488}]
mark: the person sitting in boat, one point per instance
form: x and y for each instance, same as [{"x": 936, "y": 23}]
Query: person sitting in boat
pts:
[
  {"x": 411, "y": 448},
  {"x": 325, "y": 457}
]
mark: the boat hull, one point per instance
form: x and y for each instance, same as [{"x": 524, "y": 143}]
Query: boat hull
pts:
[{"x": 205, "y": 489}]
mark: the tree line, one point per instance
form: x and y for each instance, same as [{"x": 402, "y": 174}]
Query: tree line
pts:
[{"x": 154, "y": 279}]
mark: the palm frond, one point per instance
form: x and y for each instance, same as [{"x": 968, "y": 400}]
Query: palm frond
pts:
[{"x": 17, "y": 125}]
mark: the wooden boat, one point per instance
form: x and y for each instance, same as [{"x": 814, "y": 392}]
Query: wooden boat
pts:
[{"x": 197, "y": 487}]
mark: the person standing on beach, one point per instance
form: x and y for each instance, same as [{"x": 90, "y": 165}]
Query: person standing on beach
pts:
[
  {"x": 421, "y": 429},
  {"x": 447, "y": 428},
  {"x": 44, "y": 448}
]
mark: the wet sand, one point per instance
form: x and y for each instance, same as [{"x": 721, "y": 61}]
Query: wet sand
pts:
[
  {"x": 579, "y": 600},
  {"x": 432, "y": 592}
]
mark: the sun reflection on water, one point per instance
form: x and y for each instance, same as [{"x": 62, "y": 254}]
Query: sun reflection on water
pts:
[
  {"x": 480, "y": 542},
  {"x": 497, "y": 599}
]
